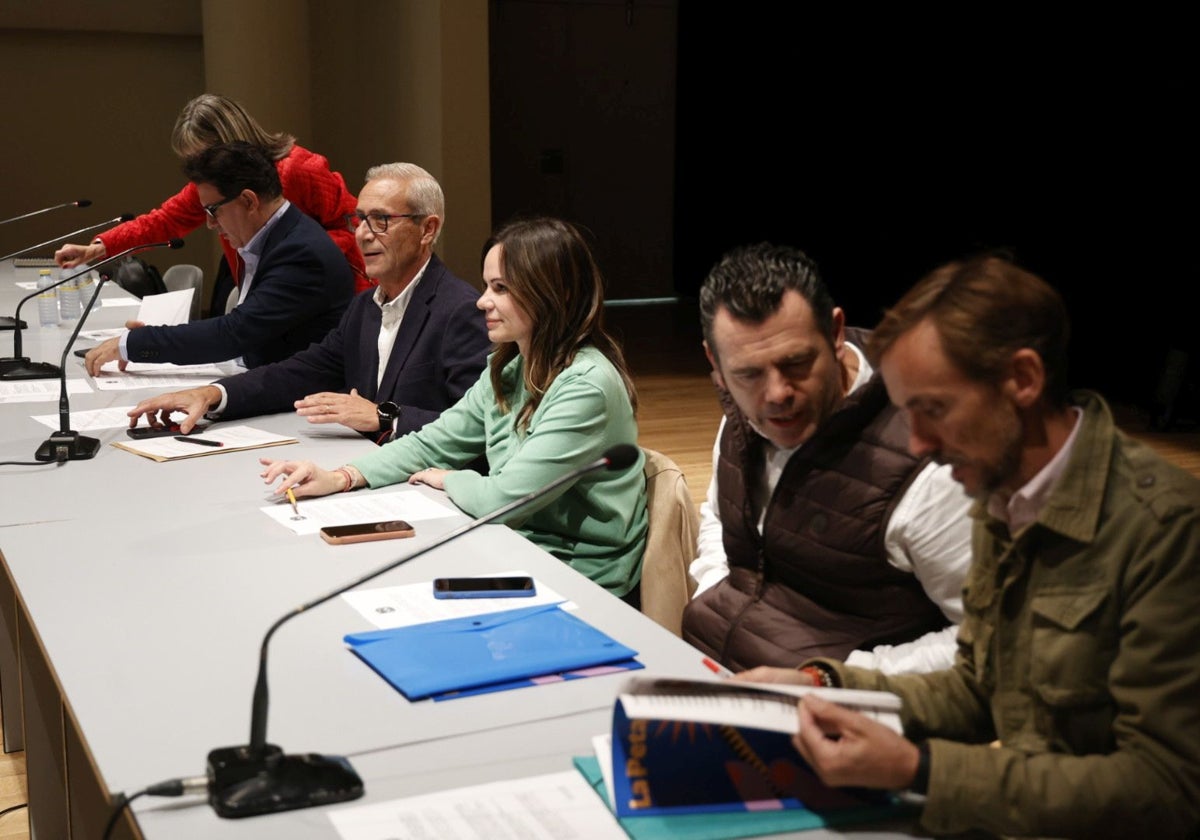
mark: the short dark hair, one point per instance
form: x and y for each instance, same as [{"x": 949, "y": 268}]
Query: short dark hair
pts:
[
  {"x": 233, "y": 167},
  {"x": 985, "y": 309},
  {"x": 750, "y": 281}
]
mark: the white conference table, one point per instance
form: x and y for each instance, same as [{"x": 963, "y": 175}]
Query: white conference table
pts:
[{"x": 135, "y": 595}]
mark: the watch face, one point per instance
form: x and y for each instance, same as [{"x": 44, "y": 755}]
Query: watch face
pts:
[{"x": 388, "y": 410}]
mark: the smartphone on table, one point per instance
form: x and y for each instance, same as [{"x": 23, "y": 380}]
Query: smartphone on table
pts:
[
  {"x": 393, "y": 529},
  {"x": 516, "y": 586}
]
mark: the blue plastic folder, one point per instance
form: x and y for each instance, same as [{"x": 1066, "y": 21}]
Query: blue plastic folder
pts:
[{"x": 465, "y": 653}]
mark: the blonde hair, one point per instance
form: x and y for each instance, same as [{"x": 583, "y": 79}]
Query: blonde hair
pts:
[{"x": 210, "y": 120}]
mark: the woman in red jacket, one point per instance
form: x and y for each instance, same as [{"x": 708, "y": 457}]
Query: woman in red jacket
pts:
[{"x": 206, "y": 121}]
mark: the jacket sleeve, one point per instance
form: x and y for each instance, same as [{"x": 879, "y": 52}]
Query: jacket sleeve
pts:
[
  {"x": 179, "y": 215},
  {"x": 462, "y": 353},
  {"x": 275, "y": 387},
  {"x": 1146, "y": 779},
  {"x": 289, "y": 290},
  {"x": 321, "y": 193}
]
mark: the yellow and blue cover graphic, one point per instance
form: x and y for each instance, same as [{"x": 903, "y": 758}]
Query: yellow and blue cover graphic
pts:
[{"x": 665, "y": 767}]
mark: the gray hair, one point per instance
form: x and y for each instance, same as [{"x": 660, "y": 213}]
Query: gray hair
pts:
[{"x": 424, "y": 192}]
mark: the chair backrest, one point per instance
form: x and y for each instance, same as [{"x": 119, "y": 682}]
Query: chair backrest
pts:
[
  {"x": 670, "y": 542},
  {"x": 179, "y": 277}
]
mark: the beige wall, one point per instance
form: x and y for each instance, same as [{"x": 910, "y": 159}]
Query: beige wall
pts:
[{"x": 91, "y": 91}]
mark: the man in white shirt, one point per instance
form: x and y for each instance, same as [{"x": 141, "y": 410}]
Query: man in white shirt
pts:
[{"x": 821, "y": 535}]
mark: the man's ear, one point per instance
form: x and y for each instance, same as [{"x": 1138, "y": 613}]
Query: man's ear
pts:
[
  {"x": 712, "y": 360},
  {"x": 429, "y": 229},
  {"x": 1026, "y": 382},
  {"x": 838, "y": 331}
]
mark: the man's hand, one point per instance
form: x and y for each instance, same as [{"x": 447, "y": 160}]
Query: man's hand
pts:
[
  {"x": 845, "y": 748},
  {"x": 69, "y": 256},
  {"x": 348, "y": 409},
  {"x": 767, "y": 674},
  {"x": 108, "y": 351},
  {"x": 194, "y": 402}
]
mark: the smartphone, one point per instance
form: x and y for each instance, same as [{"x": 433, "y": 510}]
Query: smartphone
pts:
[
  {"x": 395, "y": 529},
  {"x": 484, "y": 587},
  {"x": 146, "y": 432}
]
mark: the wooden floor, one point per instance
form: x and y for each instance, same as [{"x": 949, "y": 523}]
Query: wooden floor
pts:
[{"x": 678, "y": 415}]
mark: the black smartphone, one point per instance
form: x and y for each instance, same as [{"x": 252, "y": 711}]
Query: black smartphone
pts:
[
  {"x": 484, "y": 587},
  {"x": 146, "y": 432},
  {"x": 366, "y": 532}
]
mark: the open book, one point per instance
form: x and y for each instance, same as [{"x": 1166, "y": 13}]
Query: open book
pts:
[{"x": 689, "y": 746}]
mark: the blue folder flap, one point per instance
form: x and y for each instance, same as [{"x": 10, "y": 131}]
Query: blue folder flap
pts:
[{"x": 462, "y": 653}]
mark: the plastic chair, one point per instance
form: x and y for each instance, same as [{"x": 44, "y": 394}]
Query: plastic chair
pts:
[
  {"x": 180, "y": 277},
  {"x": 670, "y": 542}
]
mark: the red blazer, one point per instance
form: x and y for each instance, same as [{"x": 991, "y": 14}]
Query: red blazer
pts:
[{"x": 307, "y": 182}]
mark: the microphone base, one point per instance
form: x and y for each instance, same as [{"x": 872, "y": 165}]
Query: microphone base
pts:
[
  {"x": 7, "y": 322},
  {"x": 19, "y": 367},
  {"x": 242, "y": 783},
  {"x": 67, "y": 446}
]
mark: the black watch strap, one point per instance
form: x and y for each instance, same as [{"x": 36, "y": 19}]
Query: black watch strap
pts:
[{"x": 920, "y": 783}]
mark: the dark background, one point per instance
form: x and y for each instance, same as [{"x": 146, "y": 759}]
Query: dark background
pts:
[{"x": 886, "y": 145}]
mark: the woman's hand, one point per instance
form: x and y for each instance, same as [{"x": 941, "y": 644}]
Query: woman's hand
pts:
[
  {"x": 304, "y": 478},
  {"x": 431, "y": 476}
]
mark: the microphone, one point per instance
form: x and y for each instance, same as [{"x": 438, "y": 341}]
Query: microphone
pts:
[
  {"x": 19, "y": 367},
  {"x": 124, "y": 217},
  {"x": 83, "y": 202},
  {"x": 66, "y": 445},
  {"x": 14, "y": 323},
  {"x": 258, "y": 778}
]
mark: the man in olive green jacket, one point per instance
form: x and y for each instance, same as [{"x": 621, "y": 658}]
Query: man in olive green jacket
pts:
[{"x": 1078, "y": 652}]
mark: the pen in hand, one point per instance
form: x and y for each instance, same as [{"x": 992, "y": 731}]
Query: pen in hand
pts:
[
  {"x": 295, "y": 508},
  {"x": 198, "y": 441}
]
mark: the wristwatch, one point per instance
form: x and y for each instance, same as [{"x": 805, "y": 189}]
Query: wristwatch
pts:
[{"x": 388, "y": 413}]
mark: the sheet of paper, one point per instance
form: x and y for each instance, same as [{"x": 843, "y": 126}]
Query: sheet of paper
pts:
[
  {"x": 349, "y": 508},
  {"x": 168, "y": 309},
  {"x": 413, "y": 603},
  {"x": 119, "y": 301},
  {"x": 548, "y": 807},
  {"x": 165, "y": 375},
  {"x": 91, "y": 421},
  {"x": 101, "y": 335},
  {"x": 602, "y": 746},
  {"x": 27, "y": 285},
  {"x": 232, "y": 438},
  {"x": 40, "y": 390}
]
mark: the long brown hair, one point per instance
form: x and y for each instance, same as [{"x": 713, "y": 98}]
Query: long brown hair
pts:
[{"x": 552, "y": 276}]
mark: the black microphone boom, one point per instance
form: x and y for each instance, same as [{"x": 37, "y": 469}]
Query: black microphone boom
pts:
[
  {"x": 18, "y": 366},
  {"x": 124, "y": 217},
  {"x": 66, "y": 445},
  {"x": 83, "y": 202},
  {"x": 7, "y": 323},
  {"x": 258, "y": 778}
]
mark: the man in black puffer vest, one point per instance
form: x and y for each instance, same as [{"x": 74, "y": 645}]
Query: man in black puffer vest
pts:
[{"x": 821, "y": 535}]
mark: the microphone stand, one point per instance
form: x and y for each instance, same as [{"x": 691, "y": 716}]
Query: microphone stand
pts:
[
  {"x": 83, "y": 202},
  {"x": 67, "y": 445},
  {"x": 7, "y": 323},
  {"x": 18, "y": 367},
  {"x": 258, "y": 778}
]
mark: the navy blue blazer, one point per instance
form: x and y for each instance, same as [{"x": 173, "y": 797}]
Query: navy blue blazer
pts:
[
  {"x": 439, "y": 353},
  {"x": 300, "y": 289}
]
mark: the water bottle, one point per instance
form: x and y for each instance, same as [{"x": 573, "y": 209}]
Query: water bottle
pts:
[
  {"x": 68, "y": 296},
  {"x": 87, "y": 287},
  {"x": 47, "y": 299}
]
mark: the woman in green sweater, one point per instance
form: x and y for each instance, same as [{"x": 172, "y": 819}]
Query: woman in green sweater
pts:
[{"x": 554, "y": 397}]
